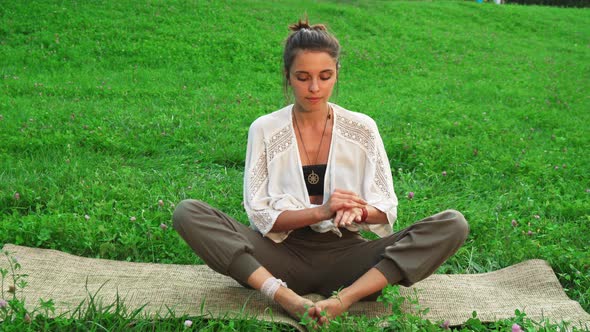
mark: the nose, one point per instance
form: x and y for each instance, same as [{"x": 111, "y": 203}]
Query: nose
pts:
[{"x": 313, "y": 85}]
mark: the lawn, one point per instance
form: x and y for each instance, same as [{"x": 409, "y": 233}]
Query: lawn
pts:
[{"x": 111, "y": 112}]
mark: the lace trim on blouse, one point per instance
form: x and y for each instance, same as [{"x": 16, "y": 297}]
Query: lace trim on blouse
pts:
[
  {"x": 279, "y": 142},
  {"x": 360, "y": 133}
]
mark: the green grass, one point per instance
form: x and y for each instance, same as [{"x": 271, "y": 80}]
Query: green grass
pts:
[{"x": 108, "y": 107}]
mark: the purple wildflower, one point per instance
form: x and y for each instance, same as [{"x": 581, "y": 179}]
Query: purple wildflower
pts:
[
  {"x": 444, "y": 173},
  {"x": 16, "y": 196},
  {"x": 410, "y": 195},
  {"x": 516, "y": 328},
  {"x": 161, "y": 203},
  {"x": 3, "y": 303},
  {"x": 163, "y": 226},
  {"x": 188, "y": 323},
  {"x": 514, "y": 223}
]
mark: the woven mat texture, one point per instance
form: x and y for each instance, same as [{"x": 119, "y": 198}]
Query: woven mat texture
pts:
[{"x": 196, "y": 290}]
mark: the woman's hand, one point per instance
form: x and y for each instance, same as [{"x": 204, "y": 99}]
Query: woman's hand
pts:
[
  {"x": 344, "y": 206},
  {"x": 346, "y": 217}
]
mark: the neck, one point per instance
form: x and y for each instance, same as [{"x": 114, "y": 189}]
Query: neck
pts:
[{"x": 311, "y": 117}]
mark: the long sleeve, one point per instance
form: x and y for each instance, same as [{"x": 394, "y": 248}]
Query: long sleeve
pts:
[
  {"x": 380, "y": 190},
  {"x": 361, "y": 165},
  {"x": 267, "y": 194}
]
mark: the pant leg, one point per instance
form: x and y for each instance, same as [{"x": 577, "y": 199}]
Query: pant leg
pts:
[
  {"x": 232, "y": 248},
  {"x": 423, "y": 247},
  {"x": 218, "y": 239},
  {"x": 405, "y": 257}
]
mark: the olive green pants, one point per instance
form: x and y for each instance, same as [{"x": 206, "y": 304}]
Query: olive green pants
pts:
[{"x": 311, "y": 262}]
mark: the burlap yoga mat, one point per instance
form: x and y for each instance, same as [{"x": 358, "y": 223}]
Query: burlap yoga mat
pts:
[{"x": 530, "y": 286}]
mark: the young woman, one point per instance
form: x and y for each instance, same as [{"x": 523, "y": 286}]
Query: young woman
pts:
[{"x": 315, "y": 175}]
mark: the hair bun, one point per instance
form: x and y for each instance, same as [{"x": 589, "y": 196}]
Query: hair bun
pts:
[
  {"x": 304, "y": 24},
  {"x": 299, "y": 25},
  {"x": 319, "y": 27}
]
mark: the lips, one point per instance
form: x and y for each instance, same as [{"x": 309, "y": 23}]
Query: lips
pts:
[{"x": 314, "y": 100}]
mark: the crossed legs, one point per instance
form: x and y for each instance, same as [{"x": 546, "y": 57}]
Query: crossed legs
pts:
[{"x": 362, "y": 267}]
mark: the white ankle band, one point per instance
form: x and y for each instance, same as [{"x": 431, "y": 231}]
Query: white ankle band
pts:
[{"x": 270, "y": 287}]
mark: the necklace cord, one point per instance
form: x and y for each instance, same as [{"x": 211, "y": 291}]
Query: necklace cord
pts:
[{"x": 321, "y": 139}]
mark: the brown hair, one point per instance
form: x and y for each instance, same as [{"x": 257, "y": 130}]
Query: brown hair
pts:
[{"x": 305, "y": 37}]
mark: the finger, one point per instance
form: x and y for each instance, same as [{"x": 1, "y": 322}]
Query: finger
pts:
[
  {"x": 345, "y": 218},
  {"x": 358, "y": 216},
  {"x": 361, "y": 201},
  {"x": 351, "y": 217},
  {"x": 350, "y": 205},
  {"x": 355, "y": 215},
  {"x": 343, "y": 191},
  {"x": 338, "y": 217},
  {"x": 347, "y": 194}
]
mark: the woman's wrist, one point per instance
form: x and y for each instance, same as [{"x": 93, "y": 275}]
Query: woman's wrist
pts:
[{"x": 323, "y": 213}]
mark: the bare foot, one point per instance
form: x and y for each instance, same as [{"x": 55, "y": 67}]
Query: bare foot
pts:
[
  {"x": 329, "y": 308},
  {"x": 294, "y": 304}
]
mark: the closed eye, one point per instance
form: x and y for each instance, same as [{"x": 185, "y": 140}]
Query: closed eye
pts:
[
  {"x": 302, "y": 77},
  {"x": 325, "y": 76}
]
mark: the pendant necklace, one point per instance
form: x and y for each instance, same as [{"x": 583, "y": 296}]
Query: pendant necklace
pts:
[{"x": 312, "y": 178}]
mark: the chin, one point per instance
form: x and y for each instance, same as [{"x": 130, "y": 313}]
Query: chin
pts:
[{"x": 315, "y": 105}]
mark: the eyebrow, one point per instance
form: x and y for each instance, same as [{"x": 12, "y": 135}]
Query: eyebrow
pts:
[{"x": 321, "y": 72}]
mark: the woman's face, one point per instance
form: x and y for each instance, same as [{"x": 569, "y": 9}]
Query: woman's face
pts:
[{"x": 312, "y": 77}]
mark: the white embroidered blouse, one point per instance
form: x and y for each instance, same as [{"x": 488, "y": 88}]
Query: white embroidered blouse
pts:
[{"x": 273, "y": 176}]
